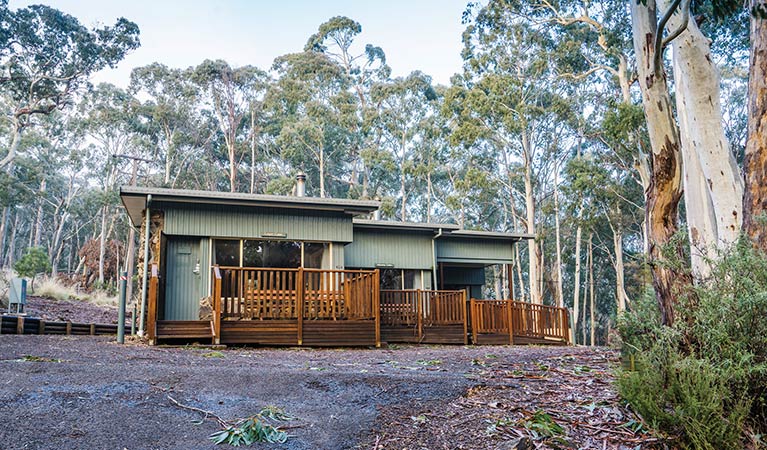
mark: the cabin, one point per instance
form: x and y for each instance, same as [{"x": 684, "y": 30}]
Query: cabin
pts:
[{"x": 234, "y": 268}]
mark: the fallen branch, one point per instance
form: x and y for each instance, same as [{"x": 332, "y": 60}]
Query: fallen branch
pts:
[{"x": 223, "y": 423}]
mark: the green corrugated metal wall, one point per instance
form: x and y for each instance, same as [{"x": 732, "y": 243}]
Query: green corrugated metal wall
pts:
[
  {"x": 239, "y": 222},
  {"x": 405, "y": 249},
  {"x": 474, "y": 251}
]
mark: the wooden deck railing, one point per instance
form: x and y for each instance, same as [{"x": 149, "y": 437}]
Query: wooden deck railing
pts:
[
  {"x": 526, "y": 319},
  {"x": 420, "y": 308},
  {"x": 216, "y": 306},
  {"x": 302, "y": 294}
]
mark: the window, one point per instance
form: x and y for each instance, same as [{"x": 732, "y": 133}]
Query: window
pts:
[
  {"x": 398, "y": 279},
  {"x": 264, "y": 253},
  {"x": 314, "y": 255},
  {"x": 391, "y": 279},
  {"x": 227, "y": 253}
]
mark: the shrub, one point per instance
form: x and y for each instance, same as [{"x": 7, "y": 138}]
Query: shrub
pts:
[
  {"x": 704, "y": 380},
  {"x": 34, "y": 261}
]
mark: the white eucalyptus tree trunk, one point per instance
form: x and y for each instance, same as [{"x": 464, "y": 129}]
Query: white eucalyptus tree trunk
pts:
[
  {"x": 713, "y": 185},
  {"x": 560, "y": 294},
  {"x": 665, "y": 188},
  {"x": 577, "y": 275},
  {"x": 39, "y": 217},
  {"x": 3, "y": 232},
  {"x": 534, "y": 258},
  {"x": 620, "y": 281},
  {"x": 102, "y": 243},
  {"x": 592, "y": 293}
]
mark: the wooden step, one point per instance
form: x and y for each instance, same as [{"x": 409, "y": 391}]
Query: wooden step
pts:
[{"x": 184, "y": 329}]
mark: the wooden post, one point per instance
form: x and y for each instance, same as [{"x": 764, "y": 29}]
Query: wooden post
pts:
[
  {"x": 300, "y": 305},
  {"x": 510, "y": 315},
  {"x": 69, "y": 328},
  {"x": 19, "y": 325},
  {"x": 465, "y": 318},
  {"x": 41, "y": 327},
  {"x": 93, "y": 329},
  {"x": 151, "y": 326},
  {"x": 419, "y": 313},
  {"x": 216, "y": 305},
  {"x": 539, "y": 320},
  {"x": 473, "y": 313},
  {"x": 377, "y": 305}
]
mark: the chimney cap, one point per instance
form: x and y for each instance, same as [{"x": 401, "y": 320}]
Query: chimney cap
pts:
[{"x": 301, "y": 176}]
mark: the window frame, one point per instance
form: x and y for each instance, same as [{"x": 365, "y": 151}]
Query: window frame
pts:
[{"x": 242, "y": 246}]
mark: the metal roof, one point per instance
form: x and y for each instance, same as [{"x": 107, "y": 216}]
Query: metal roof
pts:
[
  {"x": 134, "y": 198},
  {"x": 489, "y": 235},
  {"x": 450, "y": 230},
  {"x": 386, "y": 224}
]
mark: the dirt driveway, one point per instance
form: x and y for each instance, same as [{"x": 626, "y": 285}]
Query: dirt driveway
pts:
[{"x": 60, "y": 392}]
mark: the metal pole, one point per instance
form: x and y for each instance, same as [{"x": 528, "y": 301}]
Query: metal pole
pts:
[
  {"x": 133, "y": 321},
  {"x": 145, "y": 278},
  {"x": 121, "y": 311}
]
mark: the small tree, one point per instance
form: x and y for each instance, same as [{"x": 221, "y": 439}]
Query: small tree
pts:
[{"x": 34, "y": 261}]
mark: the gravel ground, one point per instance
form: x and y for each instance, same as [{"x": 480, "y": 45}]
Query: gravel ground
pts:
[{"x": 89, "y": 392}]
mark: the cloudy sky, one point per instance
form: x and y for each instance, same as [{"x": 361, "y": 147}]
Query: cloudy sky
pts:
[{"x": 415, "y": 34}]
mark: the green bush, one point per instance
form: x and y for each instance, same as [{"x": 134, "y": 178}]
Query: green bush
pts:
[
  {"x": 34, "y": 261},
  {"x": 704, "y": 380}
]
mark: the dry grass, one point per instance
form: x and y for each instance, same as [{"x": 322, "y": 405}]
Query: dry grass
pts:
[{"x": 52, "y": 288}]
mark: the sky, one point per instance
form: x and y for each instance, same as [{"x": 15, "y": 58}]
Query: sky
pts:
[{"x": 415, "y": 35}]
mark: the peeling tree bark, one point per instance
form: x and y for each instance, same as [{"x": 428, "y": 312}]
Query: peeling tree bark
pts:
[
  {"x": 755, "y": 166},
  {"x": 665, "y": 188},
  {"x": 713, "y": 185}
]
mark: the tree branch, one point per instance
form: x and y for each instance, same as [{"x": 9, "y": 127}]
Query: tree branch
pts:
[{"x": 658, "y": 56}]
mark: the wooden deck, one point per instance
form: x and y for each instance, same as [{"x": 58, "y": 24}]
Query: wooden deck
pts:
[
  {"x": 423, "y": 316},
  {"x": 530, "y": 323},
  {"x": 313, "y": 307},
  {"x": 309, "y": 307}
]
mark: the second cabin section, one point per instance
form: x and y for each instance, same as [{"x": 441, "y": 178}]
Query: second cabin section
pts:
[{"x": 238, "y": 268}]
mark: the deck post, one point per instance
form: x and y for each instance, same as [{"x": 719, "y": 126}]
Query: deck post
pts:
[
  {"x": 474, "y": 315},
  {"x": 419, "y": 313},
  {"x": 377, "y": 305},
  {"x": 151, "y": 325},
  {"x": 216, "y": 305},
  {"x": 465, "y": 318},
  {"x": 539, "y": 321},
  {"x": 510, "y": 314},
  {"x": 19, "y": 324},
  {"x": 300, "y": 304}
]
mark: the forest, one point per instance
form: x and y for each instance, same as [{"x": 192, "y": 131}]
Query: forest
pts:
[{"x": 627, "y": 136}]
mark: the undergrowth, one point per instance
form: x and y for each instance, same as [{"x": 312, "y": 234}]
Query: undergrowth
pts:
[
  {"x": 704, "y": 380},
  {"x": 49, "y": 287}
]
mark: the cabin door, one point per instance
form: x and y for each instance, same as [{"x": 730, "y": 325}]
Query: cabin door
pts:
[{"x": 182, "y": 279}]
